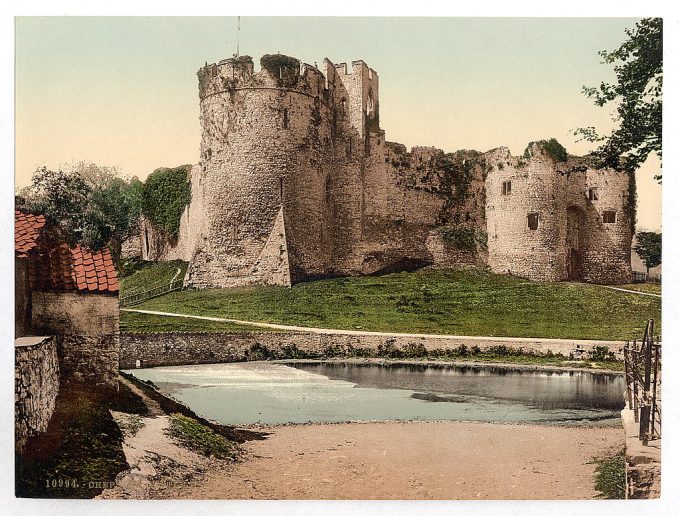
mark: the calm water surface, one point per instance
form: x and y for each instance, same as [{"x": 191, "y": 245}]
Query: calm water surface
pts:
[{"x": 273, "y": 393}]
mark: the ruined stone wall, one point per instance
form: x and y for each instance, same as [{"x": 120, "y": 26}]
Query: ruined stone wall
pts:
[
  {"x": 165, "y": 349},
  {"x": 87, "y": 332},
  {"x": 36, "y": 385},
  {"x": 607, "y": 258}
]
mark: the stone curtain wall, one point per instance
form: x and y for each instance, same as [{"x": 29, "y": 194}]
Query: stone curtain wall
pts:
[
  {"x": 36, "y": 385},
  {"x": 166, "y": 349},
  {"x": 87, "y": 332}
]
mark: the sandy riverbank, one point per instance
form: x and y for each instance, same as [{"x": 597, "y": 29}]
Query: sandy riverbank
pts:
[{"x": 415, "y": 460}]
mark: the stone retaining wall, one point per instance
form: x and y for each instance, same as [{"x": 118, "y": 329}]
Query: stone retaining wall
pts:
[
  {"x": 36, "y": 385},
  {"x": 165, "y": 349}
]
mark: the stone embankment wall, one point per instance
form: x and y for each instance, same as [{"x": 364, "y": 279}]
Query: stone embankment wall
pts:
[
  {"x": 165, "y": 349},
  {"x": 87, "y": 332},
  {"x": 36, "y": 385}
]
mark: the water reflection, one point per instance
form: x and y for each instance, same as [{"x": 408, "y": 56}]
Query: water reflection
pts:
[
  {"x": 263, "y": 392},
  {"x": 545, "y": 389}
]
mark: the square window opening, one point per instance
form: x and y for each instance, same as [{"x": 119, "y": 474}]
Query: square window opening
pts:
[{"x": 609, "y": 217}]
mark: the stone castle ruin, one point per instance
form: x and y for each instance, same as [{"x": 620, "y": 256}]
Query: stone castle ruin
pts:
[{"x": 296, "y": 181}]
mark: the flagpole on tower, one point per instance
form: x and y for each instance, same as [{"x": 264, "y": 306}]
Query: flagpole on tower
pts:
[{"x": 238, "y": 34}]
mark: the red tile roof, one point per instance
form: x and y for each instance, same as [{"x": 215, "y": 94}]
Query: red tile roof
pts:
[
  {"x": 60, "y": 267},
  {"x": 27, "y": 231},
  {"x": 74, "y": 268}
]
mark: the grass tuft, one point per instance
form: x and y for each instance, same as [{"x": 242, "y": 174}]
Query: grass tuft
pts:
[
  {"x": 200, "y": 438},
  {"x": 610, "y": 476}
]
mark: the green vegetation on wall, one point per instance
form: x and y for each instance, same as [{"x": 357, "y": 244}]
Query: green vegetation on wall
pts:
[
  {"x": 465, "y": 239},
  {"x": 285, "y": 68},
  {"x": 165, "y": 195},
  {"x": 552, "y": 147}
]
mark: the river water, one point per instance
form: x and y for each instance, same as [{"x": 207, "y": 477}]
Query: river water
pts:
[{"x": 275, "y": 393}]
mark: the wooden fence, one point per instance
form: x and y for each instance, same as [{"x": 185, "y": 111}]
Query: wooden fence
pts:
[
  {"x": 643, "y": 277},
  {"x": 643, "y": 382},
  {"x": 134, "y": 299}
]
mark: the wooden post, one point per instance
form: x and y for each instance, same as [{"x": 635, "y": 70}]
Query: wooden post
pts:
[{"x": 646, "y": 401}]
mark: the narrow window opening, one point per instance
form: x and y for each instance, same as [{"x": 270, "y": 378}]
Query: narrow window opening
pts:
[
  {"x": 532, "y": 220},
  {"x": 592, "y": 194},
  {"x": 213, "y": 71},
  {"x": 506, "y": 188},
  {"x": 609, "y": 217},
  {"x": 329, "y": 186},
  {"x": 285, "y": 118},
  {"x": 146, "y": 241},
  {"x": 349, "y": 146},
  {"x": 281, "y": 190}
]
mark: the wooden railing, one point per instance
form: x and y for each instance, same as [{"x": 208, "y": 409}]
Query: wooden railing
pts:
[
  {"x": 643, "y": 277},
  {"x": 643, "y": 383},
  {"x": 134, "y": 299}
]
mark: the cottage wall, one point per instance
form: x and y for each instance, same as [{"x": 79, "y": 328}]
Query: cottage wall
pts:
[
  {"x": 86, "y": 328},
  {"x": 36, "y": 385}
]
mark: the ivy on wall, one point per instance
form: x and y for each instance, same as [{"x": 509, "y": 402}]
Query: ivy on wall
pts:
[
  {"x": 464, "y": 239},
  {"x": 552, "y": 147},
  {"x": 285, "y": 68},
  {"x": 165, "y": 194}
]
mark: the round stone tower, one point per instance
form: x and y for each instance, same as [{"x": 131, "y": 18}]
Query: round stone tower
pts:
[
  {"x": 265, "y": 163},
  {"x": 555, "y": 220}
]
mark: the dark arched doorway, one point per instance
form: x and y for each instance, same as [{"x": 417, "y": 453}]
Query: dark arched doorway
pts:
[{"x": 575, "y": 243}]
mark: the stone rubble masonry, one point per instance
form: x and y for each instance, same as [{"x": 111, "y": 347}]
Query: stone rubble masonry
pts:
[
  {"x": 167, "y": 349},
  {"x": 567, "y": 219},
  {"x": 291, "y": 139},
  {"x": 36, "y": 385},
  {"x": 87, "y": 333}
]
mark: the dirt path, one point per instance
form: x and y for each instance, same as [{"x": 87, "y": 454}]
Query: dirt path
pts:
[
  {"x": 438, "y": 460},
  {"x": 360, "y": 333}
]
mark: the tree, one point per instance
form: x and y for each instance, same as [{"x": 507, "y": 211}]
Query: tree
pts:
[
  {"x": 95, "y": 206},
  {"x": 648, "y": 247},
  {"x": 637, "y": 95}
]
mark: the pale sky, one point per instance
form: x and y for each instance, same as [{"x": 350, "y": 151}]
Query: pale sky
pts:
[{"x": 123, "y": 91}]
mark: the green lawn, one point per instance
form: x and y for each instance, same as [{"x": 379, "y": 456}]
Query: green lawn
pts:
[
  {"x": 651, "y": 288},
  {"x": 465, "y": 302},
  {"x": 148, "y": 275}
]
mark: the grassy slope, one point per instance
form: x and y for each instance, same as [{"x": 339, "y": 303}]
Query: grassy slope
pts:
[
  {"x": 143, "y": 323},
  {"x": 651, "y": 288},
  {"x": 149, "y": 275},
  {"x": 431, "y": 301}
]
